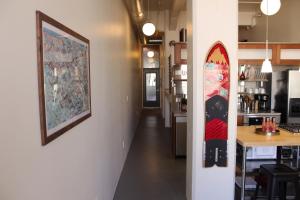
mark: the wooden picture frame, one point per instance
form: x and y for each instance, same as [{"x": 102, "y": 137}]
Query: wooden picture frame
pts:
[{"x": 63, "y": 58}]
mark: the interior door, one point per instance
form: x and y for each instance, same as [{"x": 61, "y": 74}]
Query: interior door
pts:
[{"x": 151, "y": 88}]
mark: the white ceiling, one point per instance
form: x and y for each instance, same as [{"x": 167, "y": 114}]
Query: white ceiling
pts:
[
  {"x": 174, "y": 6},
  {"x": 249, "y": 5},
  {"x": 157, "y": 4}
]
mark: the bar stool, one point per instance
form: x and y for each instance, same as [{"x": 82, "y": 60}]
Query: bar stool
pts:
[{"x": 277, "y": 175}]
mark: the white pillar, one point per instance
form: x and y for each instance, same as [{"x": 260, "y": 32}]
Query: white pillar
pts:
[{"x": 208, "y": 22}]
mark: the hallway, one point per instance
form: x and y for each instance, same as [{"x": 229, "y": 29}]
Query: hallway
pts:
[{"x": 150, "y": 172}]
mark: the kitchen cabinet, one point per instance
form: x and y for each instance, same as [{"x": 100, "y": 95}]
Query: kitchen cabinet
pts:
[
  {"x": 179, "y": 134},
  {"x": 279, "y": 53},
  {"x": 288, "y": 54},
  {"x": 255, "y": 53}
]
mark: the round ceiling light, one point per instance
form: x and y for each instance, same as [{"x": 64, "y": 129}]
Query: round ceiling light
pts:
[
  {"x": 270, "y": 7},
  {"x": 148, "y": 29},
  {"x": 150, "y": 54}
]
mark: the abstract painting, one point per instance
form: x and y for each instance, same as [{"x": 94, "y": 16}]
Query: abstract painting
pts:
[{"x": 64, "y": 77}]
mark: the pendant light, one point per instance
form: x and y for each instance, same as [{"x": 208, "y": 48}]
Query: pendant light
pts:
[
  {"x": 267, "y": 66},
  {"x": 270, "y": 7},
  {"x": 148, "y": 27}
]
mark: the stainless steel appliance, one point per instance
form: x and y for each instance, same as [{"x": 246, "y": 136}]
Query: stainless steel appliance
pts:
[{"x": 285, "y": 96}]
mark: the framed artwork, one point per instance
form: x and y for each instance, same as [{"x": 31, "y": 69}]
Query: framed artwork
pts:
[{"x": 64, "y": 77}]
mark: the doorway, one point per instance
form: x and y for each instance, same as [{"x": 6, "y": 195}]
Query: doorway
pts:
[
  {"x": 151, "y": 76},
  {"x": 151, "y": 88}
]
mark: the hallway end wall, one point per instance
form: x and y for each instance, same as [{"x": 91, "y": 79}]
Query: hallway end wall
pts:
[{"x": 86, "y": 162}]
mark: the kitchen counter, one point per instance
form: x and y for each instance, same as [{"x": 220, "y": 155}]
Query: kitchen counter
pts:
[{"x": 247, "y": 137}]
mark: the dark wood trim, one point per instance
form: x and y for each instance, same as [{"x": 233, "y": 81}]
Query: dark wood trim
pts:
[
  {"x": 290, "y": 62},
  {"x": 155, "y": 47},
  {"x": 255, "y": 46},
  {"x": 41, "y": 77},
  {"x": 40, "y": 17},
  {"x": 289, "y": 46},
  {"x": 250, "y": 61}
]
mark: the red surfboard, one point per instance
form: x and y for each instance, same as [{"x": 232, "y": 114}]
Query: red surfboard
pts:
[{"x": 216, "y": 97}]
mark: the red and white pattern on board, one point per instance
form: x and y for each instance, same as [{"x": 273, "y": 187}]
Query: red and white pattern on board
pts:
[
  {"x": 217, "y": 73},
  {"x": 216, "y": 96},
  {"x": 216, "y": 129}
]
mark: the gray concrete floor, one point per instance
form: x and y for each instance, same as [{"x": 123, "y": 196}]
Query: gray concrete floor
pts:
[{"x": 150, "y": 172}]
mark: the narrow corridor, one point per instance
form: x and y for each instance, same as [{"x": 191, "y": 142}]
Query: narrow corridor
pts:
[{"x": 150, "y": 172}]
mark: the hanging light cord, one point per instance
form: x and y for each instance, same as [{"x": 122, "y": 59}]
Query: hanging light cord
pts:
[
  {"x": 148, "y": 10},
  {"x": 267, "y": 31}
]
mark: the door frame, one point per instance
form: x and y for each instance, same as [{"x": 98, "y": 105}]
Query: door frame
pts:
[
  {"x": 154, "y": 104},
  {"x": 157, "y": 48}
]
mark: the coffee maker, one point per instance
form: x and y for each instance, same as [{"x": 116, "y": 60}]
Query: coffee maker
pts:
[{"x": 262, "y": 100}]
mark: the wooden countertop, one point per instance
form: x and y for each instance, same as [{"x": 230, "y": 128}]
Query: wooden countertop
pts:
[{"x": 247, "y": 138}]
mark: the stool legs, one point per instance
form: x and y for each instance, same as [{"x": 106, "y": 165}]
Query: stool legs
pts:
[
  {"x": 282, "y": 190},
  {"x": 270, "y": 188},
  {"x": 297, "y": 190},
  {"x": 256, "y": 192}
]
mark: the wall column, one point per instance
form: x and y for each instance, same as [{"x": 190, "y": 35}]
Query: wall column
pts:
[{"x": 208, "y": 22}]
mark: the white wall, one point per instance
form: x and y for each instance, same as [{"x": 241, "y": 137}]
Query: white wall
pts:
[
  {"x": 283, "y": 27},
  {"x": 208, "y": 22},
  {"x": 84, "y": 163}
]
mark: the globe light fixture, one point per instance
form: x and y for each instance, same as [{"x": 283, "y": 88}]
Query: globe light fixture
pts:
[
  {"x": 150, "y": 54},
  {"x": 270, "y": 7},
  {"x": 148, "y": 28}
]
